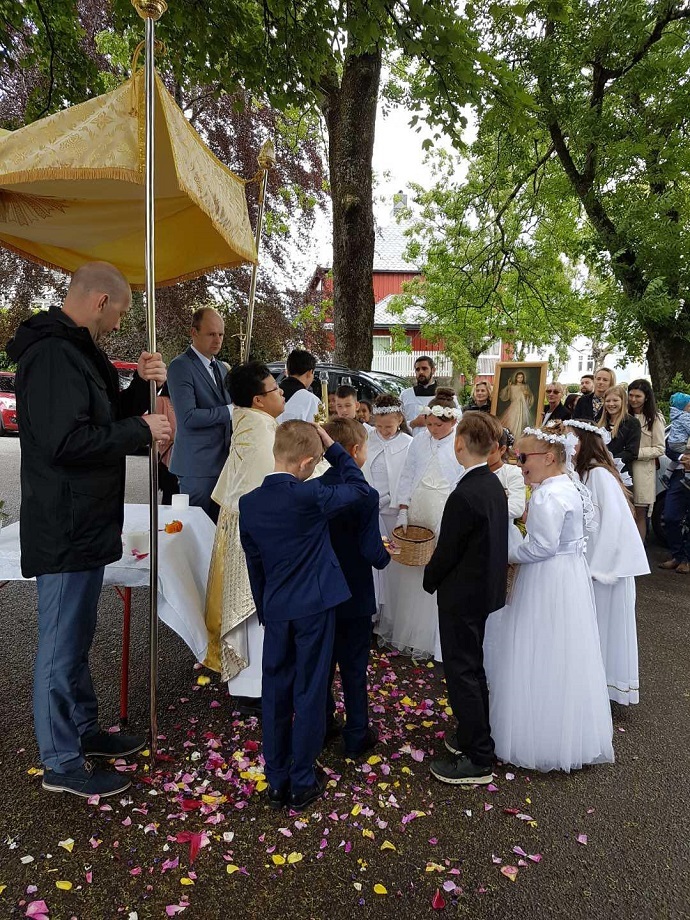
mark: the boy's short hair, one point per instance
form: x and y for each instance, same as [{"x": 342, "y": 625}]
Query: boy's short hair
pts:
[
  {"x": 344, "y": 391},
  {"x": 480, "y": 431},
  {"x": 296, "y": 440},
  {"x": 245, "y": 381},
  {"x": 300, "y": 362},
  {"x": 346, "y": 431}
]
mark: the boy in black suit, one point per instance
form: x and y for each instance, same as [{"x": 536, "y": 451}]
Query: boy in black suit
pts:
[
  {"x": 468, "y": 570},
  {"x": 356, "y": 540}
]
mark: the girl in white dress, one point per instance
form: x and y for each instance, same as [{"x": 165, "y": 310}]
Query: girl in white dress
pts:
[
  {"x": 615, "y": 555},
  {"x": 548, "y": 701},
  {"x": 409, "y": 617},
  {"x": 388, "y": 444},
  {"x": 510, "y": 476}
]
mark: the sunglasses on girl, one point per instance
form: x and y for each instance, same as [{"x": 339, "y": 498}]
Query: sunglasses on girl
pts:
[{"x": 522, "y": 458}]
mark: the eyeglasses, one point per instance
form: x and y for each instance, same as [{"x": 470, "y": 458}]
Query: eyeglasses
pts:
[
  {"x": 266, "y": 392},
  {"x": 522, "y": 458}
]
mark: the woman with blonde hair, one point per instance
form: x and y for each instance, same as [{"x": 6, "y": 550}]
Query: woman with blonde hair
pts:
[
  {"x": 549, "y": 706},
  {"x": 481, "y": 397},
  {"x": 625, "y": 429}
]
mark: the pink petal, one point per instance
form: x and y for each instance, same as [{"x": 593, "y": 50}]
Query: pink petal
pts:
[{"x": 582, "y": 838}]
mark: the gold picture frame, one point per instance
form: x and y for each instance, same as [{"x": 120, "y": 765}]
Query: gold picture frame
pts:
[{"x": 519, "y": 403}]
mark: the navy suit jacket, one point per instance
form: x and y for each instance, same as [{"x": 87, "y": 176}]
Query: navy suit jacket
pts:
[
  {"x": 202, "y": 439},
  {"x": 293, "y": 571},
  {"x": 356, "y": 539}
]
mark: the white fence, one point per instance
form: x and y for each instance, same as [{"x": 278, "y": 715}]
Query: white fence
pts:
[{"x": 402, "y": 363}]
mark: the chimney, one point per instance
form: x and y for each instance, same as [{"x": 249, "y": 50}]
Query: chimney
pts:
[{"x": 399, "y": 201}]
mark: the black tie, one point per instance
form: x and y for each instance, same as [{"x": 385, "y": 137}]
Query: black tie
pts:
[{"x": 216, "y": 374}]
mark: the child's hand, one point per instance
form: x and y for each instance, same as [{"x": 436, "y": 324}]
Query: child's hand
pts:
[
  {"x": 402, "y": 520},
  {"x": 326, "y": 439}
]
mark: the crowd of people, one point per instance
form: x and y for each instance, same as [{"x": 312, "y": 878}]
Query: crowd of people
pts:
[{"x": 527, "y": 599}]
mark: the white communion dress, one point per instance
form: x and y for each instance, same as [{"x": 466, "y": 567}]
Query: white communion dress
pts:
[
  {"x": 409, "y": 616},
  {"x": 549, "y": 706},
  {"x": 615, "y": 555}
]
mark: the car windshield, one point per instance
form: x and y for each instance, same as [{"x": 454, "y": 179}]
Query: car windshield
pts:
[{"x": 6, "y": 384}]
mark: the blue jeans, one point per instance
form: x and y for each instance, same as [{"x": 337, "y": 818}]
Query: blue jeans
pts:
[
  {"x": 65, "y": 705},
  {"x": 676, "y": 511},
  {"x": 296, "y": 665}
]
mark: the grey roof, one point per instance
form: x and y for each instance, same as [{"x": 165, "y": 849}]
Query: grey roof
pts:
[
  {"x": 411, "y": 316},
  {"x": 389, "y": 248}
]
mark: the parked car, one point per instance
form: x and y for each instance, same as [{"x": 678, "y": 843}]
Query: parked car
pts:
[
  {"x": 369, "y": 384},
  {"x": 8, "y": 403},
  {"x": 125, "y": 372},
  {"x": 658, "y": 509}
]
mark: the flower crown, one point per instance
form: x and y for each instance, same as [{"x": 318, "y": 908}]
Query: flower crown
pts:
[
  {"x": 446, "y": 412},
  {"x": 386, "y": 410},
  {"x": 567, "y": 440},
  {"x": 587, "y": 426}
]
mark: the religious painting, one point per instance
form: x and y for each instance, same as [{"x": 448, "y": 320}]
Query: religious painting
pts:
[{"x": 518, "y": 394}]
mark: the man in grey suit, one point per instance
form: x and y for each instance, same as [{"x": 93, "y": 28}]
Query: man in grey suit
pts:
[{"x": 202, "y": 409}]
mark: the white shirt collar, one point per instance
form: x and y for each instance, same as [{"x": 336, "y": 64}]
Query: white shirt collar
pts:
[
  {"x": 204, "y": 360},
  {"x": 467, "y": 469}
]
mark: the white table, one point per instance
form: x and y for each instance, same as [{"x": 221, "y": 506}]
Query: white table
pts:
[{"x": 183, "y": 562}]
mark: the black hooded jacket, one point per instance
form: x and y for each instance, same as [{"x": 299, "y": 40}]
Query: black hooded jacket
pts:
[{"x": 76, "y": 430}]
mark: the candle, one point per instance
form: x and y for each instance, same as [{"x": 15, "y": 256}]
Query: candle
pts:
[
  {"x": 180, "y": 502},
  {"x": 136, "y": 542}
]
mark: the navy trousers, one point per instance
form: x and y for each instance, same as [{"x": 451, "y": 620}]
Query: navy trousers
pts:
[
  {"x": 351, "y": 655},
  {"x": 199, "y": 489},
  {"x": 676, "y": 511},
  {"x": 65, "y": 705},
  {"x": 296, "y": 662}
]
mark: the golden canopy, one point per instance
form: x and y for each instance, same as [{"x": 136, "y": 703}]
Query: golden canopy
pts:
[{"x": 72, "y": 191}]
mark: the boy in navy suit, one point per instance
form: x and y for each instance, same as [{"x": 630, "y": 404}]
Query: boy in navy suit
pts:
[
  {"x": 296, "y": 583},
  {"x": 356, "y": 539}
]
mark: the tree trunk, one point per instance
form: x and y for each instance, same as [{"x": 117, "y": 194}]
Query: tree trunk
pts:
[
  {"x": 667, "y": 355},
  {"x": 350, "y": 113}
]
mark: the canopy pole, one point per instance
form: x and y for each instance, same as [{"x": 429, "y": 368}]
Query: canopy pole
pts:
[
  {"x": 151, "y": 11},
  {"x": 267, "y": 159}
]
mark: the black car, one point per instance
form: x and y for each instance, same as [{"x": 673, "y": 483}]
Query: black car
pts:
[{"x": 369, "y": 384}]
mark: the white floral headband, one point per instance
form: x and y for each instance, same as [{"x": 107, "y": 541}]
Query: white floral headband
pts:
[
  {"x": 587, "y": 426},
  {"x": 551, "y": 437},
  {"x": 446, "y": 412},
  {"x": 386, "y": 410}
]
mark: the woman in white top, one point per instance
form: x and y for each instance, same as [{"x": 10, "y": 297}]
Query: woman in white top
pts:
[
  {"x": 642, "y": 404},
  {"x": 615, "y": 555},
  {"x": 548, "y": 701},
  {"x": 409, "y": 617}
]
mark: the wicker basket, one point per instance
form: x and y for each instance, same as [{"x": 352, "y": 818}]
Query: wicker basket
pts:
[{"x": 416, "y": 546}]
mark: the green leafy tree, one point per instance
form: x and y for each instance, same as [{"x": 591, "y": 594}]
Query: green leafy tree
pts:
[{"x": 609, "y": 112}]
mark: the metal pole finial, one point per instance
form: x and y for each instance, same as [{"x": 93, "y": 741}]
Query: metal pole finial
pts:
[
  {"x": 150, "y": 9},
  {"x": 267, "y": 160}
]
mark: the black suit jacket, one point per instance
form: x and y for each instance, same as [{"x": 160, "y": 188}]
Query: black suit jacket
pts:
[
  {"x": 469, "y": 567},
  {"x": 559, "y": 413},
  {"x": 626, "y": 445},
  {"x": 584, "y": 408}
]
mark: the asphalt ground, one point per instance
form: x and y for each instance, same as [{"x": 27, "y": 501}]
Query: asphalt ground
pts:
[{"x": 383, "y": 823}]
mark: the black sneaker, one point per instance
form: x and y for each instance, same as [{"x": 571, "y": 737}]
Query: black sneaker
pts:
[
  {"x": 451, "y": 742},
  {"x": 460, "y": 771},
  {"x": 279, "y": 797},
  {"x": 371, "y": 739},
  {"x": 115, "y": 744},
  {"x": 301, "y": 800},
  {"x": 86, "y": 781}
]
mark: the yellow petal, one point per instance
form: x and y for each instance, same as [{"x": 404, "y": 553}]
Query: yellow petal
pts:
[
  {"x": 356, "y": 810},
  {"x": 232, "y": 869},
  {"x": 387, "y": 845},
  {"x": 261, "y": 786},
  {"x": 64, "y": 886},
  {"x": 67, "y": 844},
  {"x": 367, "y": 833},
  {"x": 203, "y": 680},
  {"x": 374, "y": 759},
  {"x": 406, "y": 701},
  {"x": 427, "y": 724},
  {"x": 278, "y": 860},
  {"x": 186, "y": 881},
  {"x": 295, "y": 858},
  {"x": 35, "y": 771},
  {"x": 380, "y": 889},
  {"x": 2, "y": 888}
]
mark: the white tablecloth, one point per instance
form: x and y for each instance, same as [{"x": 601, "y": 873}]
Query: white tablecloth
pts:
[{"x": 183, "y": 561}]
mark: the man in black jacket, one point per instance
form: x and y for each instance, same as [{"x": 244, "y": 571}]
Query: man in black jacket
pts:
[
  {"x": 468, "y": 571},
  {"x": 76, "y": 430}
]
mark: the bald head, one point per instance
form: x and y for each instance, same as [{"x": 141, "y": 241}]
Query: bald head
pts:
[{"x": 98, "y": 297}]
